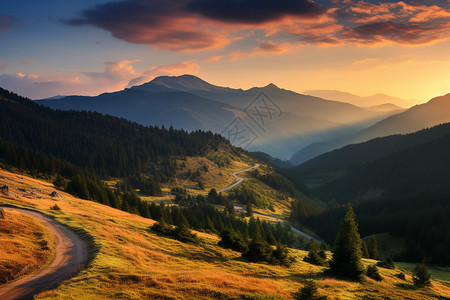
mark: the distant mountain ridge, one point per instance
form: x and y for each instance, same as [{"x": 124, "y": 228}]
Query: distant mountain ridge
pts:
[
  {"x": 434, "y": 112},
  {"x": 369, "y": 101},
  {"x": 191, "y": 103}
]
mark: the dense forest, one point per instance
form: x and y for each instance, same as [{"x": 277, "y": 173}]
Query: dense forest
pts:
[
  {"x": 111, "y": 146},
  {"x": 405, "y": 194}
]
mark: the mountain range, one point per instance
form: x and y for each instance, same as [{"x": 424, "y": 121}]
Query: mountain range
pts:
[
  {"x": 369, "y": 101},
  {"x": 279, "y": 121},
  {"x": 434, "y": 112}
]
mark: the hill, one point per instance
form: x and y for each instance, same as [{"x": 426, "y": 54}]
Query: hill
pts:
[
  {"x": 128, "y": 260},
  {"x": 373, "y": 149},
  {"x": 190, "y": 103},
  {"x": 403, "y": 193},
  {"x": 426, "y": 115}
]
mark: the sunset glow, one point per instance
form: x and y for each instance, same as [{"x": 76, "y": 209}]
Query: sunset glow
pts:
[{"x": 362, "y": 47}]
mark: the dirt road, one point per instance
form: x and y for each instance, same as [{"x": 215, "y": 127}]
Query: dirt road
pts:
[
  {"x": 260, "y": 215},
  {"x": 71, "y": 255},
  {"x": 240, "y": 179}
]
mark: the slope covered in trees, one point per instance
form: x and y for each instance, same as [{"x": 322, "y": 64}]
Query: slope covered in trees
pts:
[
  {"x": 108, "y": 145},
  {"x": 405, "y": 194}
]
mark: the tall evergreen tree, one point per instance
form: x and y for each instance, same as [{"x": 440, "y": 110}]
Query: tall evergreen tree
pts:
[
  {"x": 347, "y": 253},
  {"x": 372, "y": 248}
]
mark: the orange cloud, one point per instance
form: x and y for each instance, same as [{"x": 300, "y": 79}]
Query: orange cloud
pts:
[
  {"x": 185, "y": 67},
  {"x": 263, "y": 48},
  {"x": 215, "y": 58},
  {"x": 194, "y": 25}
]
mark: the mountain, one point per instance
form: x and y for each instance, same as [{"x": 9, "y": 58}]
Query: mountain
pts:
[
  {"x": 397, "y": 184},
  {"x": 278, "y": 121},
  {"x": 421, "y": 116},
  {"x": 373, "y": 149},
  {"x": 370, "y": 101}
]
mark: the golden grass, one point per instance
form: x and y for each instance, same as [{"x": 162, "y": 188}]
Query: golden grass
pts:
[
  {"x": 22, "y": 240},
  {"x": 131, "y": 262}
]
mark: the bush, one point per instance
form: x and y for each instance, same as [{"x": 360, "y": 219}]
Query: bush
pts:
[
  {"x": 161, "y": 227},
  {"x": 372, "y": 272},
  {"x": 258, "y": 251},
  {"x": 231, "y": 240},
  {"x": 422, "y": 276},
  {"x": 309, "y": 291},
  {"x": 314, "y": 257},
  {"x": 180, "y": 232},
  {"x": 388, "y": 263},
  {"x": 55, "y": 207},
  {"x": 280, "y": 256},
  {"x": 184, "y": 234}
]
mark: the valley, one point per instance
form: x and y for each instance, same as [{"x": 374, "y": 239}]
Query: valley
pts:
[{"x": 127, "y": 260}]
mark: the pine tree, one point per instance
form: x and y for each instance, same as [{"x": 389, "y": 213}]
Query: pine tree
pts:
[
  {"x": 309, "y": 291},
  {"x": 365, "y": 252},
  {"x": 249, "y": 209},
  {"x": 347, "y": 253},
  {"x": 373, "y": 248},
  {"x": 422, "y": 276}
]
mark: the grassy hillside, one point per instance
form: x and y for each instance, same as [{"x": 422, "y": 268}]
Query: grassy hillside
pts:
[
  {"x": 26, "y": 246},
  {"x": 404, "y": 193},
  {"x": 129, "y": 261}
]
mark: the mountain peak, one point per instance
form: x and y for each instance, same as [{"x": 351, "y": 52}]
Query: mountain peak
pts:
[
  {"x": 271, "y": 85},
  {"x": 184, "y": 82}
]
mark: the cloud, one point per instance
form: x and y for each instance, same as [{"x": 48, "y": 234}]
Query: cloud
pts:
[
  {"x": 411, "y": 33},
  {"x": 115, "y": 73},
  {"x": 267, "y": 47},
  {"x": 214, "y": 58},
  {"x": 254, "y": 11},
  {"x": 40, "y": 86},
  {"x": 411, "y": 23},
  {"x": 195, "y": 25},
  {"x": 115, "y": 76},
  {"x": 185, "y": 67},
  {"x": 7, "y": 23},
  {"x": 160, "y": 23},
  {"x": 3, "y": 65}
]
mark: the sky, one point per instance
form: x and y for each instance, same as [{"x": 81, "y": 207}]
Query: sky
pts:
[{"x": 87, "y": 47}]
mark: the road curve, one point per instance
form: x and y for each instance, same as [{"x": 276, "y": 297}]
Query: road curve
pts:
[
  {"x": 256, "y": 214},
  {"x": 239, "y": 179},
  {"x": 71, "y": 255}
]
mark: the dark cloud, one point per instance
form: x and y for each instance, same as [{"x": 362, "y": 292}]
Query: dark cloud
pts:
[
  {"x": 161, "y": 23},
  {"x": 189, "y": 25},
  {"x": 7, "y": 23},
  {"x": 254, "y": 11}
]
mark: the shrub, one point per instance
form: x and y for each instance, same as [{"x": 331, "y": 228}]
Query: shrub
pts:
[
  {"x": 309, "y": 291},
  {"x": 55, "y": 207},
  {"x": 388, "y": 263},
  {"x": 231, "y": 240},
  {"x": 372, "y": 272},
  {"x": 422, "y": 276}
]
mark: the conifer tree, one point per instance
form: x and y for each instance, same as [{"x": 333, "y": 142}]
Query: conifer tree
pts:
[
  {"x": 373, "y": 248},
  {"x": 249, "y": 209},
  {"x": 309, "y": 291},
  {"x": 347, "y": 253},
  {"x": 365, "y": 252},
  {"x": 422, "y": 276}
]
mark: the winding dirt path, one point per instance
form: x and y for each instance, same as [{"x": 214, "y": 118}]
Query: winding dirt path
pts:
[
  {"x": 71, "y": 255},
  {"x": 240, "y": 179},
  {"x": 256, "y": 214}
]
